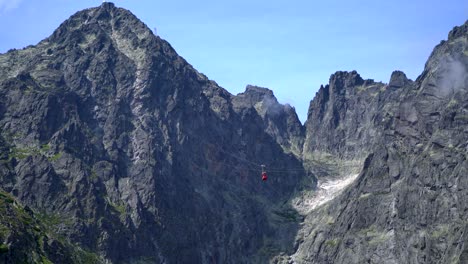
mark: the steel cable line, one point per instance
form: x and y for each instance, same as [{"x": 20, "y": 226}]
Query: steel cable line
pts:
[
  {"x": 222, "y": 162},
  {"x": 257, "y": 165},
  {"x": 203, "y": 170},
  {"x": 237, "y": 168}
]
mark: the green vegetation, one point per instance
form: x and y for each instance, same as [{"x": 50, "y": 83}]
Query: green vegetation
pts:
[
  {"x": 45, "y": 260},
  {"x": 362, "y": 88},
  {"x": 45, "y": 147},
  {"x": 4, "y": 231},
  {"x": 85, "y": 257},
  {"x": 4, "y": 197},
  {"x": 368, "y": 232},
  {"x": 3, "y": 248},
  {"x": 452, "y": 103},
  {"x": 53, "y": 219},
  {"x": 19, "y": 153},
  {"x": 55, "y": 156},
  {"x": 9, "y": 206},
  {"x": 379, "y": 238},
  {"x": 461, "y": 117},
  {"x": 455, "y": 260},
  {"x": 94, "y": 175},
  {"x": 364, "y": 196},
  {"x": 22, "y": 153},
  {"x": 18, "y": 223},
  {"x": 118, "y": 207},
  {"x": 440, "y": 231},
  {"x": 373, "y": 235},
  {"x": 89, "y": 39},
  {"x": 332, "y": 242},
  {"x": 52, "y": 223},
  {"x": 330, "y": 221}
]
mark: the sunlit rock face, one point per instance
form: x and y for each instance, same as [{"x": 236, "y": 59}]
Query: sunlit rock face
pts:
[
  {"x": 342, "y": 118},
  {"x": 409, "y": 202},
  {"x": 114, "y": 149}
]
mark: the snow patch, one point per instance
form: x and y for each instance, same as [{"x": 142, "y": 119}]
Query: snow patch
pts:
[{"x": 327, "y": 190}]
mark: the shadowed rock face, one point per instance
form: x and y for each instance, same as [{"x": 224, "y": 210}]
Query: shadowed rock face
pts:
[
  {"x": 105, "y": 125},
  {"x": 121, "y": 148}
]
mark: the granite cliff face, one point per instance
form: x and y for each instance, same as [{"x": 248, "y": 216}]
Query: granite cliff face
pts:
[
  {"x": 342, "y": 118},
  {"x": 408, "y": 203},
  {"x": 115, "y": 149},
  {"x": 105, "y": 126}
]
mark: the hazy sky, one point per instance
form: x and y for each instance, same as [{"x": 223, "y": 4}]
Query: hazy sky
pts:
[{"x": 290, "y": 46}]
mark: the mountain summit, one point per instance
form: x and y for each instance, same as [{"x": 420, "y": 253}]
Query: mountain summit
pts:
[{"x": 114, "y": 149}]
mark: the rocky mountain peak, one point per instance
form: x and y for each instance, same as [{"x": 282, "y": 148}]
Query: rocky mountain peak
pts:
[
  {"x": 342, "y": 79},
  {"x": 337, "y": 109},
  {"x": 458, "y": 31},
  {"x": 279, "y": 121},
  {"x": 256, "y": 94},
  {"x": 110, "y": 29},
  {"x": 103, "y": 19},
  {"x": 446, "y": 70},
  {"x": 108, "y": 5},
  {"x": 398, "y": 79}
]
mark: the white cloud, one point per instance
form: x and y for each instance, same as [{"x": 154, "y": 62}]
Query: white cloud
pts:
[
  {"x": 453, "y": 76},
  {"x": 7, "y": 5}
]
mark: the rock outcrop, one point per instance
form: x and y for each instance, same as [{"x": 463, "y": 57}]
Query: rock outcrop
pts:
[{"x": 280, "y": 121}]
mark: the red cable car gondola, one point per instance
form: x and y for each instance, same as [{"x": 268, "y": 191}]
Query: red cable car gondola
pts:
[{"x": 264, "y": 174}]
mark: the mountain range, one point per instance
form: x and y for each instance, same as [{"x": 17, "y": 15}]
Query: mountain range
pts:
[{"x": 114, "y": 149}]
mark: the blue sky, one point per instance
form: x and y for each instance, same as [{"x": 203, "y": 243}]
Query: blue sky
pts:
[{"x": 290, "y": 47}]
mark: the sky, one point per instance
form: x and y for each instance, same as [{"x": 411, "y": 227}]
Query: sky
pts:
[{"x": 290, "y": 47}]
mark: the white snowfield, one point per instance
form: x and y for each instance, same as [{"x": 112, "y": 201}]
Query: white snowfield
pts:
[{"x": 327, "y": 190}]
